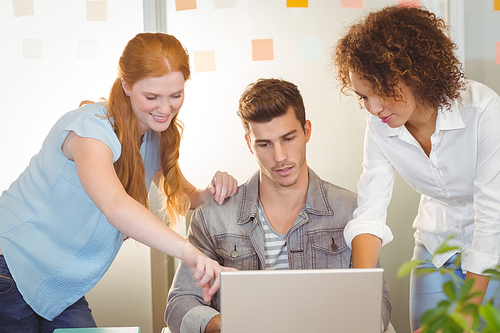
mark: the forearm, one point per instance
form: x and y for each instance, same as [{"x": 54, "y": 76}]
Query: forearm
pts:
[
  {"x": 480, "y": 285},
  {"x": 365, "y": 251}
]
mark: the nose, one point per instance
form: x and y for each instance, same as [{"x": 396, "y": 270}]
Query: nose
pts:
[
  {"x": 280, "y": 153},
  {"x": 374, "y": 105},
  {"x": 164, "y": 106}
]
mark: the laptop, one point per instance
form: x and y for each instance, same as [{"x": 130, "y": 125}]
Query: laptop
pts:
[{"x": 302, "y": 301}]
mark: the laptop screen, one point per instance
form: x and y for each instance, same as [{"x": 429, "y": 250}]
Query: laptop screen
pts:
[{"x": 314, "y": 300}]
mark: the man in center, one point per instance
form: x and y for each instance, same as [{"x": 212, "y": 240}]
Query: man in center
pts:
[{"x": 283, "y": 217}]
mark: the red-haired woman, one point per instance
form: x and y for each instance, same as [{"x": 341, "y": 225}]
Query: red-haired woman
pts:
[{"x": 64, "y": 219}]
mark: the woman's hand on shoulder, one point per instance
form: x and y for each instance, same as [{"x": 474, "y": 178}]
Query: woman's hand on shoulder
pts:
[{"x": 223, "y": 186}]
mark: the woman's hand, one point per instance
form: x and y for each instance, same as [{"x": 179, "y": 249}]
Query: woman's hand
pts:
[
  {"x": 205, "y": 271},
  {"x": 223, "y": 186}
]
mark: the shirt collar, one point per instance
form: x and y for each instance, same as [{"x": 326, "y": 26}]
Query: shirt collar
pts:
[
  {"x": 316, "y": 202},
  {"x": 446, "y": 120}
]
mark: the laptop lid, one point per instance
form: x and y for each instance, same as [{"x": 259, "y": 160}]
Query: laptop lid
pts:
[{"x": 313, "y": 300}]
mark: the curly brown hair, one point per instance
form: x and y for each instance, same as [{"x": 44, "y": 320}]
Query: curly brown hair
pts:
[{"x": 401, "y": 44}]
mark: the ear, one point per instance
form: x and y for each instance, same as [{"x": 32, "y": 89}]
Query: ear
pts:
[
  {"x": 307, "y": 130},
  {"x": 249, "y": 143},
  {"x": 125, "y": 88}
]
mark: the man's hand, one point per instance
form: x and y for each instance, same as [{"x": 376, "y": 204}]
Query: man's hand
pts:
[{"x": 213, "y": 325}]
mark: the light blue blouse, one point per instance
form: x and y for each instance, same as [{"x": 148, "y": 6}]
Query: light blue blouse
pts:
[{"x": 56, "y": 242}]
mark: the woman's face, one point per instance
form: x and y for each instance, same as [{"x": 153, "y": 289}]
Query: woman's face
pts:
[
  {"x": 155, "y": 101},
  {"x": 394, "y": 113}
]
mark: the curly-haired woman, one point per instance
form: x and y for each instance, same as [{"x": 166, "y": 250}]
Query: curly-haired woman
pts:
[
  {"x": 64, "y": 219},
  {"x": 436, "y": 129}
]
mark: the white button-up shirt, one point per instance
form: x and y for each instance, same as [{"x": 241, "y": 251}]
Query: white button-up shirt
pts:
[{"x": 459, "y": 182}]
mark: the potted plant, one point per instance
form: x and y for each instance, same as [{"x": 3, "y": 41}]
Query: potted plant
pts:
[{"x": 449, "y": 316}]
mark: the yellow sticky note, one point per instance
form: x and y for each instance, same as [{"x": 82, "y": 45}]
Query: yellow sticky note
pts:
[
  {"x": 262, "y": 49},
  {"x": 185, "y": 4},
  {"x": 23, "y": 7},
  {"x": 497, "y": 5},
  {"x": 409, "y": 3},
  {"x": 297, "y": 3},
  {"x": 497, "y": 53},
  {"x": 358, "y": 4},
  {"x": 204, "y": 61},
  {"x": 97, "y": 10}
]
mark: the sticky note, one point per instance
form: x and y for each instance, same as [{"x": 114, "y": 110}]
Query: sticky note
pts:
[
  {"x": 185, "y": 4},
  {"x": 309, "y": 48},
  {"x": 97, "y": 10},
  {"x": 262, "y": 49},
  {"x": 497, "y": 53},
  {"x": 204, "y": 61},
  {"x": 409, "y": 3},
  {"x": 358, "y": 4},
  {"x": 32, "y": 49},
  {"x": 297, "y": 3},
  {"x": 23, "y": 7},
  {"x": 220, "y": 4},
  {"x": 497, "y": 5},
  {"x": 86, "y": 49}
]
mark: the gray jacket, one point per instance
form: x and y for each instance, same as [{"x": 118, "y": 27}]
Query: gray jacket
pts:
[{"x": 232, "y": 235}]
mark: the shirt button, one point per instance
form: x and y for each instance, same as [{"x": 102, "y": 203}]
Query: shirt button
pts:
[{"x": 457, "y": 227}]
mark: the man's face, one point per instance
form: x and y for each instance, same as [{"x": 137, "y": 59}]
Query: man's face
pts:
[{"x": 280, "y": 149}]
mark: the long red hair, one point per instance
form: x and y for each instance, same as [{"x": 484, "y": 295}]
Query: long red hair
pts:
[{"x": 148, "y": 55}]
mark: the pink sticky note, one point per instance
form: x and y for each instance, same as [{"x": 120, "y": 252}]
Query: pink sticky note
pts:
[
  {"x": 358, "y": 4},
  {"x": 185, "y": 4},
  {"x": 297, "y": 3},
  {"x": 262, "y": 49},
  {"x": 97, "y": 10},
  {"x": 409, "y": 3},
  {"x": 204, "y": 61},
  {"x": 497, "y": 53},
  {"x": 23, "y": 7}
]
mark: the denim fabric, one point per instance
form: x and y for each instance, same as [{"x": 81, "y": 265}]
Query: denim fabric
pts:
[
  {"x": 426, "y": 291},
  {"x": 16, "y": 316},
  {"x": 232, "y": 235}
]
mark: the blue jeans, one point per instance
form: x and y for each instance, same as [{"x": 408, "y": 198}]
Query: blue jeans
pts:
[
  {"x": 426, "y": 290},
  {"x": 17, "y": 316}
]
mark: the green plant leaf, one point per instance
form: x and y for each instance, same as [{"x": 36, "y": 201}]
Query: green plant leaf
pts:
[
  {"x": 449, "y": 290},
  {"x": 406, "y": 268},
  {"x": 491, "y": 315},
  {"x": 433, "y": 314},
  {"x": 460, "y": 320},
  {"x": 445, "y": 248},
  {"x": 472, "y": 309}
]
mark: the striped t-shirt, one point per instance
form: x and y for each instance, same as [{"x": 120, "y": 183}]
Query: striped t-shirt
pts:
[{"x": 276, "y": 252}]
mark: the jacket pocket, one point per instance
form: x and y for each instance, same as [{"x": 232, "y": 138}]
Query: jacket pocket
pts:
[
  {"x": 329, "y": 249},
  {"x": 237, "y": 251}
]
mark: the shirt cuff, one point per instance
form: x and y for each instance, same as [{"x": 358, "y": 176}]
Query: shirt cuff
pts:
[
  {"x": 477, "y": 263},
  {"x": 357, "y": 227},
  {"x": 196, "y": 319}
]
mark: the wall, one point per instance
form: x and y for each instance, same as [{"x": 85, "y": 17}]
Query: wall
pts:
[{"x": 56, "y": 53}]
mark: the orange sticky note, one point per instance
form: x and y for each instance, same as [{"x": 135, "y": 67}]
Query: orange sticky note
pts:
[
  {"x": 297, "y": 3},
  {"x": 185, "y": 4},
  {"x": 497, "y": 53},
  {"x": 409, "y": 3},
  {"x": 358, "y": 4},
  {"x": 23, "y": 7},
  {"x": 497, "y": 5},
  {"x": 204, "y": 61},
  {"x": 97, "y": 10},
  {"x": 262, "y": 49}
]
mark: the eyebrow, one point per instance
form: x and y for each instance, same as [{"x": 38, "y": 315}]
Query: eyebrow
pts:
[
  {"x": 156, "y": 94},
  {"x": 281, "y": 137}
]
